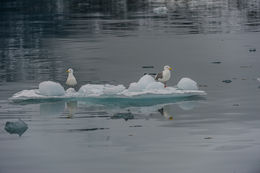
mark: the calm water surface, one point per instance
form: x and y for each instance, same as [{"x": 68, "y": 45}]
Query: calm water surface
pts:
[{"x": 109, "y": 42}]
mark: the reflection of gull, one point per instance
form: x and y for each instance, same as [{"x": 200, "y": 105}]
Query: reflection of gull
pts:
[
  {"x": 72, "y": 107},
  {"x": 52, "y": 109},
  {"x": 71, "y": 80},
  {"x": 164, "y": 112},
  {"x": 164, "y": 76},
  {"x": 258, "y": 79}
]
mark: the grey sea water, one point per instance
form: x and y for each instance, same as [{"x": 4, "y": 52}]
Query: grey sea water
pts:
[{"x": 215, "y": 43}]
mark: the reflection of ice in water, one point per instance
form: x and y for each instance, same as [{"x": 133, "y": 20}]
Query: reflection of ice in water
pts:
[
  {"x": 52, "y": 109},
  {"x": 69, "y": 108},
  {"x": 189, "y": 105},
  {"x": 185, "y": 105},
  {"x": 57, "y": 108},
  {"x": 168, "y": 113}
]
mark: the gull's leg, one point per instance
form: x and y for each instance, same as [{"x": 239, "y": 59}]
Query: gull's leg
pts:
[{"x": 164, "y": 84}]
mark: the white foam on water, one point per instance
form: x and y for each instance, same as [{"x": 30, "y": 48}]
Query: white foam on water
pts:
[{"x": 145, "y": 87}]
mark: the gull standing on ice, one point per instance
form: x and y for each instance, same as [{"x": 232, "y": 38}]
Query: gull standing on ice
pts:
[
  {"x": 164, "y": 76},
  {"x": 71, "y": 80}
]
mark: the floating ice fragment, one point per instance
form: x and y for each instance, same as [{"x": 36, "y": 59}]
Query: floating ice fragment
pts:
[
  {"x": 49, "y": 88},
  {"x": 18, "y": 127},
  {"x": 160, "y": 10},
  {"x": 70, "y": 90},
  {"x": 187, "y": 84}
]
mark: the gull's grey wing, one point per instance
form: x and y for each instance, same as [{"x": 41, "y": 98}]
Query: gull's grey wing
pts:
[{"x": 159, "y": 76}]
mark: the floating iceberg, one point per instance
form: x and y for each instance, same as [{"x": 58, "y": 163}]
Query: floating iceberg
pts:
[{"x": 146, "y": 87}]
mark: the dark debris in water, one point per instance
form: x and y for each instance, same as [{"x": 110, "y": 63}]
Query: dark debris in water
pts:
[
  {"x": 236, "y": 104},
  {"x": 152, "y": 74},
  {"x": 148, "y": 66},
  {"x": 125, "y": 116},
  {"x": 89, "y": 116},
  {"x": 136, "y": 126},
  {"x": 88, "y": 129},
  {"x": 203, "y": 85},
  {"x": 227, "y": 81},
  {"x": 252, "y": 50},
  {"x": 208, "y": 137},
  {"x": 216, "y": 62}
]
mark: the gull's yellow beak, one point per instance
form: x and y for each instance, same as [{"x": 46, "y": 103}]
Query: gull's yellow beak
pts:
[
  {"x": 170, "y": 68},
  {"x": 67, "y": 71}
]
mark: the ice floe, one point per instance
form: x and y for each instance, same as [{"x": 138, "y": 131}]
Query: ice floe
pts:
[{"x": 146, "y": 87}]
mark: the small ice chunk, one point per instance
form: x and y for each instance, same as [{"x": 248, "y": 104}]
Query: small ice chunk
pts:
[
  {"x": 160, "y": 10},
  {"x": 147, "y": 82},
  {"x": 70, "y": 91},
  {"x": 187, "y": 84},
  {"x": 49, "y": 88},
  {"x": 18, "y": 127}
]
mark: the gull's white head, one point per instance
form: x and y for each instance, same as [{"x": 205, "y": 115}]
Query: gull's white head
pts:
[
  {"x": 167, "y": 67},
  {"x": 70, "y": 70}
]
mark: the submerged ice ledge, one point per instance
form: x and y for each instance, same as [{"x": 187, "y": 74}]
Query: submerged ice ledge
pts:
[{"x": 146, "y": 87}]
